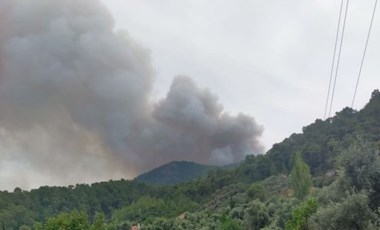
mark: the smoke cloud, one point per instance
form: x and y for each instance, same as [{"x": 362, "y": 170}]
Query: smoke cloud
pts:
[{"x": 76, "y": 102}]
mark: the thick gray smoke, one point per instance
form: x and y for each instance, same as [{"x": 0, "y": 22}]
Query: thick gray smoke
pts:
[
  {"x": 75, "y": 102},
  {"x": 202, "y": 132}
]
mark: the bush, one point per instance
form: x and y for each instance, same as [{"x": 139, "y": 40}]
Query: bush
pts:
[{"x": 301, "y": 215}]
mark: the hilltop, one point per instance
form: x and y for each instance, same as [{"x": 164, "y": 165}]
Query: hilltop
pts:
[{"x": 175, "y": 172}]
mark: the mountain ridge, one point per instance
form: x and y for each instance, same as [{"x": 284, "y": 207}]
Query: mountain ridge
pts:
[{"x": 175, "y": 172}]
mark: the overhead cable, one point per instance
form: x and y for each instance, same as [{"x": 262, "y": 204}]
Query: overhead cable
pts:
[
  {"x": 333, "y": 59},
  {"x": 364, "y": 53},
  {"x": 339, "y": 54}
]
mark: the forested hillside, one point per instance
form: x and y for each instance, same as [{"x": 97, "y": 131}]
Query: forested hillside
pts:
[
  {"x": 327, "y": 177},
  {"x": 175, "y": 172}
]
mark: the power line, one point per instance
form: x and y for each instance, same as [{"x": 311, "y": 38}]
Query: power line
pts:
[
  {"x": 338, "y": 61},
  {"x": 333, "y": 60},
  {"x": 364, "y": 53}
]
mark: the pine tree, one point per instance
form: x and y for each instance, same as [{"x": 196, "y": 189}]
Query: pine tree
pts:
[{"x": 300, "y": 177}]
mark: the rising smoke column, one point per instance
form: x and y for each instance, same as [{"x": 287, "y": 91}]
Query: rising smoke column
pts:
[
  {"x": 202, "y": 131},
  {"x": 75, "y": 101}
]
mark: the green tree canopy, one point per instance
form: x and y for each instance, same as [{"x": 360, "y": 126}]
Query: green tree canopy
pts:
[{"x": 300, "y": 177}]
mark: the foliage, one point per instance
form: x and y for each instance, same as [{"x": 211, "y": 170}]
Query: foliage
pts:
[
  {"x": 142, "y": 209},
  {"x": 257, "y": 191},
  {"x": 301, "y": 214},
  {"x": 99, "y": 222},
  {"x": 351, "y": 201},
  {"x": 361, "y": 165},
  {"x": 74, "y": 221},
  {"x": 300, "y": 177},
  {"x": 256, "y": 216},
  {"x": 175, "y": 172},
  {"x": 227, "y": 223},
  {"x": 352, "y": 213}
]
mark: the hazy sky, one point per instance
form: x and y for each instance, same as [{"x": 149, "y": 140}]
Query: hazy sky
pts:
[{"x": 268, "y": 58}]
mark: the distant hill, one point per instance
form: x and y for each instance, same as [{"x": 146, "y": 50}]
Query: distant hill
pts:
[{"x": 175, "y": 172}]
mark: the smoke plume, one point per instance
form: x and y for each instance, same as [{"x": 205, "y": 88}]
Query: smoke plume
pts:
[{"x": 76, "y": 102}]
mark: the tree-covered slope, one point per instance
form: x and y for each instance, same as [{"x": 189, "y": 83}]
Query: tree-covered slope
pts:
[
  {"x": 319, "y": 143},
  {"x": 175, "y": 172}
]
